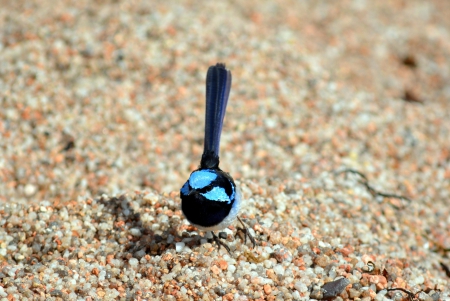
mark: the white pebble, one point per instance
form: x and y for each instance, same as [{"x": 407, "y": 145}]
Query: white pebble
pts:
[
  {"x": 30, "y": 189},
  {"x": 179, "y": 246},
  {"x": 231, "y": 268},
  {"x": 278, "y": 269},
  {"x": 419, "y": 280},
  {"x": 301, "y": 287},
  {"x": 135, "y": 232},
  {"x": 380, "y": 296},
  {"x": 296, "y": 296},
  {"x": 2, "y": 292},
  {"x": 151, "y": 198},
  {"x": 133, "y": 262}
]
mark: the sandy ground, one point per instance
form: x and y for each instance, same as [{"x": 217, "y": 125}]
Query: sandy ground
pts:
[{"x": 101, "y": 122}]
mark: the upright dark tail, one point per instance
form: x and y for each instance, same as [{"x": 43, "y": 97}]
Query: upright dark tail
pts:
[{"x": 218, "y": 84}]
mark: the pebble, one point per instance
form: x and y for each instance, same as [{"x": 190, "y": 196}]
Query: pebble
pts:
[
  {"x": 334, "y": 288},
  {"x": 179, "y": 246},
  {"x": 301, "y": 287},
  {"x": 278, "y": 269},
  {"x": 317, "y": 294},
  {"x": 133, "y": 262},
  {"x": 424, "y": 297},
  {"x": 30, "y": 190},
  {"x": 282, "y": 255},
  {"x": 135, "y": 232},
  {"x": 321, "y": 261}
]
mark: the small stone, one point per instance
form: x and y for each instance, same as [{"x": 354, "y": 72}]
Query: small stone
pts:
[
  {"x": 382, "y": 283},
  {"x": 267, "y": 289},
  {"x": 267, "y": 264},
  {"x": 139, "y": 254},
  {"x": 215, "y": 269},
  {"x": 435, "y": 296},
  {"x": 64, "y": 273},
  {"x": 222, "y": 235},
  {"x": 275, "y": 237},
  {"x": 179, "y": 246},
  {"x": 354, "y": 293},
  {"x": 321, "y": 261},
  {"x": 135, "y": 232},
  {"x": 371, "y": 293},
  {"x": 347, "y": 250},
  {"x": 419, "y": 280},
  {"x": 278, "y": 269},
  {"x": 334, "y": 288},
  {"x": 317, "y": 294},
  {"x": 271, "y": 274},
  {"x": 19, "y": 257},
  {"x": 380, "y": 296},
  {"x": 231, "y": 268},
  {"x": 56, "y": 293},
  {"x": 301, "y": 287},
  {"x": 282, "y": 255},
  {"x": 133, "y": 262},
  {"x": 424, "y": 297},
  {"x": 223, "y": 264},
  {"x": 29, "y": 189},
  {"x": 219, "y": 291}
]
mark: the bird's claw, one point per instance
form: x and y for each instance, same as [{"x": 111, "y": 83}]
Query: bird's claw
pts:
[
  {"x": 220, "y": 243},
  {"x": 244, "y": 230}
]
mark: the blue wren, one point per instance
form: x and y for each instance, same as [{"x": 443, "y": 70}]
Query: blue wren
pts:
[{"x": 210, "y": 199}]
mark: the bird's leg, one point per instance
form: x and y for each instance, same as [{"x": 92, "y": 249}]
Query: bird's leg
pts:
[
  {"x": 246, "y": 233},
  {"x": 220, "y": 243}
]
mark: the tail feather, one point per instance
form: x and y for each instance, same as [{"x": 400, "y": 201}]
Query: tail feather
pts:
[{"x": 218, "y": 84}]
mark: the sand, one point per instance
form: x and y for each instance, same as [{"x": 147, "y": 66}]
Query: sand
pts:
[{"x": 337, "y": 133}]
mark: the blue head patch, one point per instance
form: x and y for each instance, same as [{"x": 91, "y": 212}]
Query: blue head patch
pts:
[{"x": 201, "y": 178}]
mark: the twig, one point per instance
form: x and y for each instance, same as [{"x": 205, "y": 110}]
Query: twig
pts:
[
  {"x": 411, "y": 295},
  {"x": 372, "y": 190}
]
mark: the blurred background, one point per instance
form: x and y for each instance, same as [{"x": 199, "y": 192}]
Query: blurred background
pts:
[{"x": 108, "y": 96}]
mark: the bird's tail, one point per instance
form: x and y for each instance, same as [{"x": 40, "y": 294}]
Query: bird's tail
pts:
[{"x": 218, "y": 84}]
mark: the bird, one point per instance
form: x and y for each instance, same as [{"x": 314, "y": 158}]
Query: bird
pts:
[{"x": 210, "y": 199}]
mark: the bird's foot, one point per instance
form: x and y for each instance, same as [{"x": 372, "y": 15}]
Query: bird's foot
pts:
[
  {"x": 219, "y": 242},
  {"x": 246, "y": 233}
]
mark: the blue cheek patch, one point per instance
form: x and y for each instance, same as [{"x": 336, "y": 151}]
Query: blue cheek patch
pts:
[
  {"x": 185, "y": 188},
  {"x": 217, "y": 194},
  {"x": 201, "y": 178}
]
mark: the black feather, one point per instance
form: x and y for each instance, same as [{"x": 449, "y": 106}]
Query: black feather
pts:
[{"x": 218, "y": 84}]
